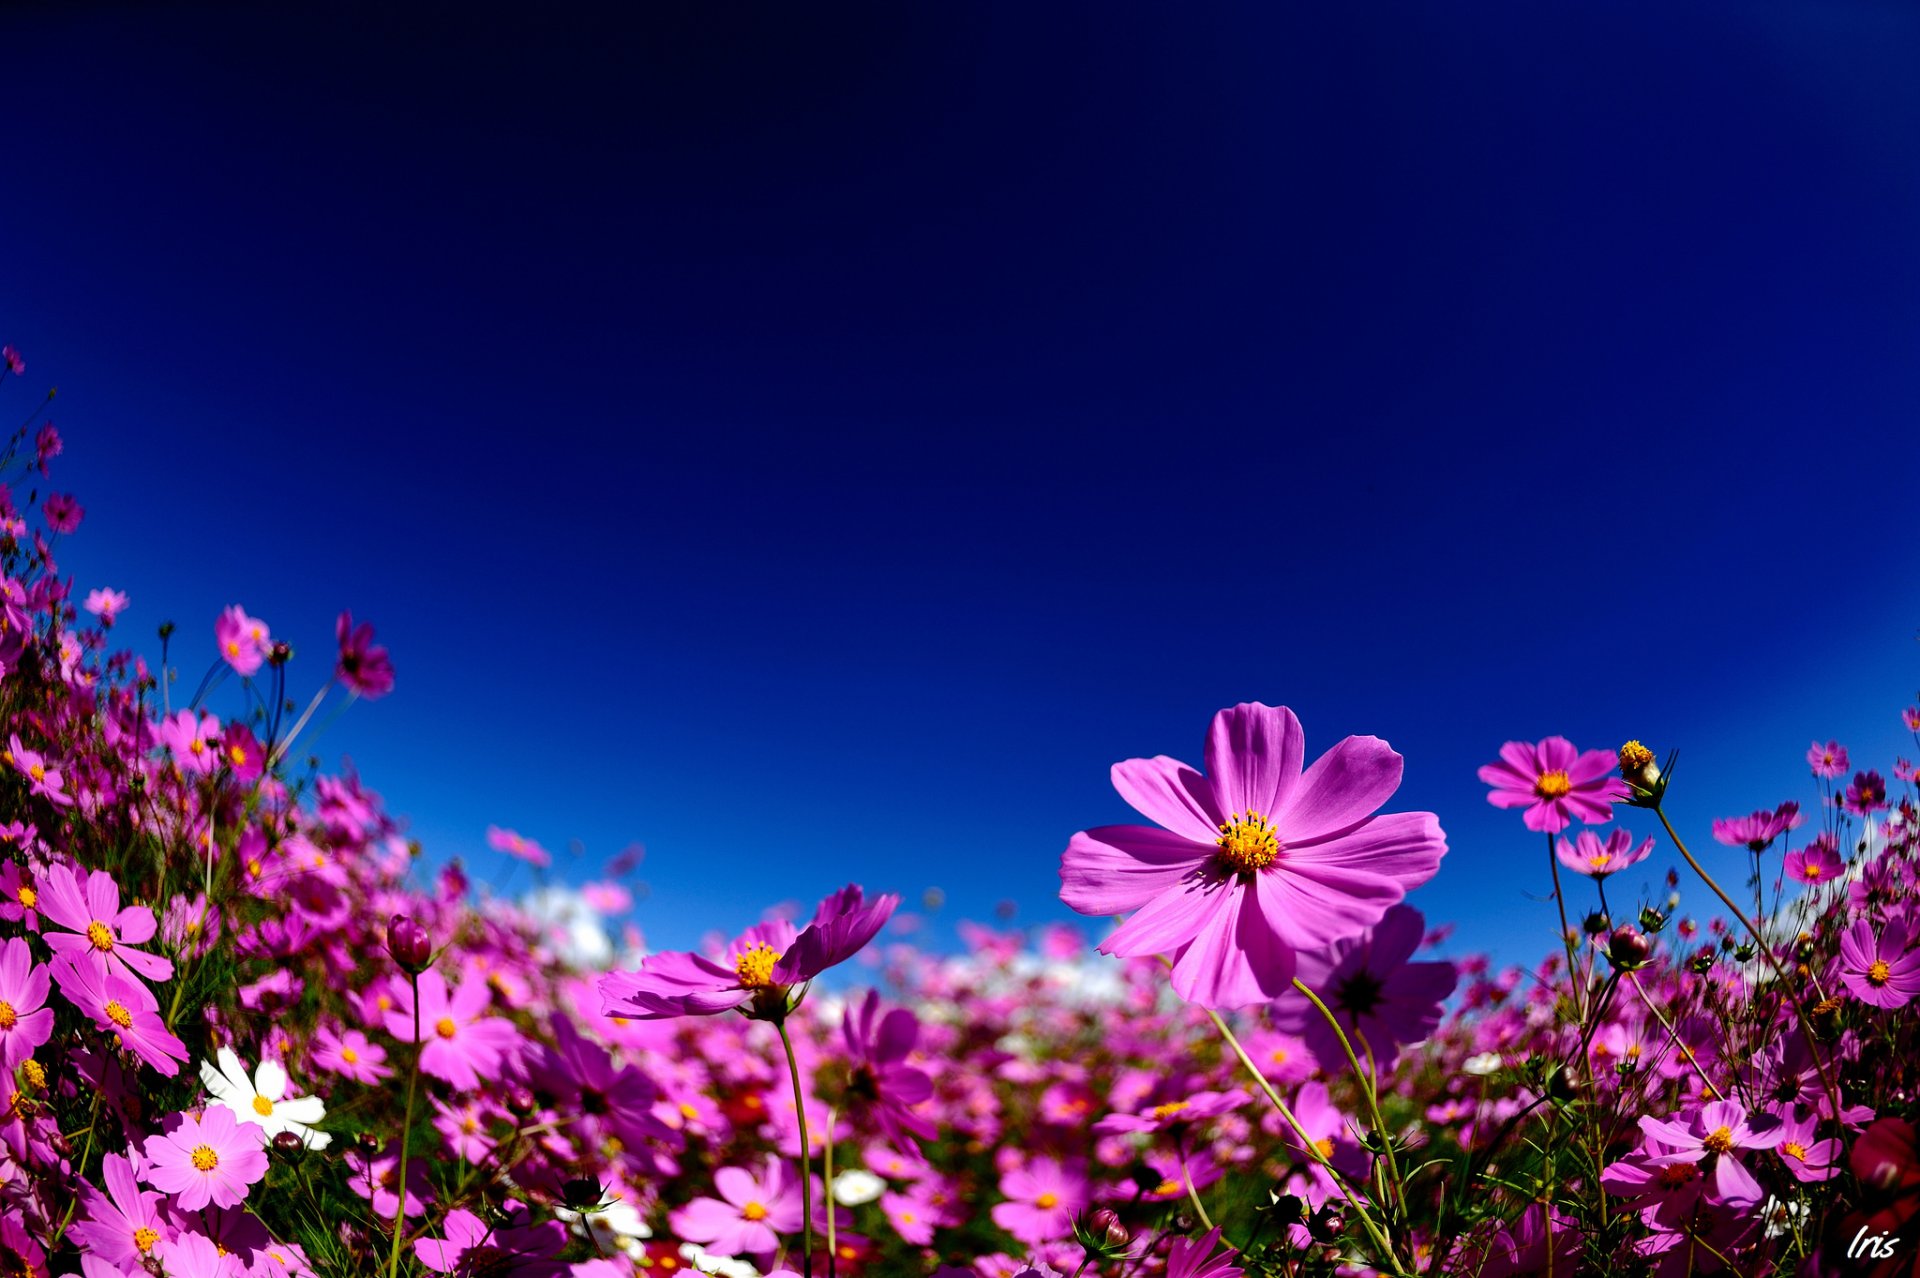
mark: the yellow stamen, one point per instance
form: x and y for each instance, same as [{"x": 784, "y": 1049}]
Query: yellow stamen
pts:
[
  {"x": 1047, "y": 1200},
  {"x": 238, "y": 754},
  {"x": 28, "y": 897},
  {"x": 1324, "y": 1147},
  {"x": 1794, "y": 1149},
  {"x": 1811, "y": 869},
  {"x": 1247, "y": 843},
  {"x": 1718, "y": 1141},
  {"x": 262, "y": 1106},
  {"x": 100, "y": 936},
  {"x": 1163, "y": 1112},
  {"x": 1634, "y": 756},
  {"x": 144, "y": 1238},
  {"x": 755, "y": 967},
  {"x": 445, "y": 1027},
  {"x": 1599, "y": 860},
  {"x": 688, "y": 1111},
  {"x": 8, "y": 1017},
  {"x": 204, "y": 1159},
  {"x": 37, "y": 772},
  {"x": 1878, "y": 973},
  {"x": 34, "y": 1073},
  {"x": 753, "y": 1211},
  {"x": 117, "y": 1013},
  {"x": 1553, "y": 785},
  {"x": 348, "y": 1055}
]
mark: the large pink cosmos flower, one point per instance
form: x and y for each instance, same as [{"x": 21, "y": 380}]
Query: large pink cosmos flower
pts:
[
  {"x": 1380, "y": 998},
  {"x": 1881, "y": 972},
  {"x": 1829, "y": 760},
  {"x": 1818, "y": 862},
  {"x": 1256, "y": 860},
  {"x": 766, "y": 962},
  {"x": 461, "y": 1041},
  {"x": 1555, "y": 783},
  {"x": 25, "y": 1019},
  {"x": 1043, "y": 1198},
  {"x": 1715, "y": 1134},
  {"x": 243, "y": 640},
  {"x": 1192, "y": 1258},
  {"x": 122, "y": 1223},
  {"x": 750, "y": 1214},
  {"x": 92, "y": 924},
  {"x": 883, "y": 1086},
  {"x": 210, "y": 1159},
  {"x": 516, "y": 1249},
  {"x": 364, "y": 667}
]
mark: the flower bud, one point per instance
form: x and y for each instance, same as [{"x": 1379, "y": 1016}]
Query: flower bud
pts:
[
  {"x": 1596, "y": 923},
  {"x": 1702, "y": 962},
  {"x": 522, "y": 1101},
  {"x": 289, "y": 1145},
  {"x": 1651, "y": 920},
  {"x": 1108, "y": 1229},
  {"x": 409, "y": 944},
  {"x": 582, "y": 1193},
  {"x": 1627, "y": 948},
  {"x": 1327, "y": 1224}
]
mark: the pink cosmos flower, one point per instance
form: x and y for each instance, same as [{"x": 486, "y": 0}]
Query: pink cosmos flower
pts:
[
  {"x": 193, "y": 742},
  {"x": 1194, "y": 1258},
  {"x": 1867, "y": 794},
  {"x": 1712, "y": 1137},
  {"x": 189, "y": 1255},
  {"x": 93, "y": 926},
  {"x": 513, "y": 844},
  {"x": 1881, "y": 972},
  {"x": 210, "y": 1159},
  {"x": 1757, "y": 832},
  {"x": 463, "y": 1044},
  {"x": 19, "y": 897},
  {"x": 1905, "y": 770},
  {"x": 1554, "y": 783},
  {"x": 350, "y": 1055},
  {"x": 123, "y": 1223},
  {"x": 1807, "y": 1158},
  {"x": 1381, "y": 999},
  {"x": 42, "y": 777},
  {"x": 121, "y": 1006},
  {"x": 25, "y": 1019},
  {"x": 63, "y": 512},
  {"x": 1587, "y": 855},
  {"x": 241, "y": 753},
  {"x": 1193, "y": 1108},
  {"x": 106, "y": 604},
  {"x": 1818, "y": 862},
  {"x": 750, "y": 1214},
  {"x": 1043, "y": 1198},
  {"x": 1256, "y": 860},
  {"x": 1828, "y": 761},
  {"x": 516, "y": 1249},
  {"x": 11, "y": 358},
  {"x": 365, "y": 667},
  {"x": 377, "y": 1179},
  {"x": 243, "y": 640},
  {"x": 767, "y": 960},
  {"x": 883, "y": 1086}
]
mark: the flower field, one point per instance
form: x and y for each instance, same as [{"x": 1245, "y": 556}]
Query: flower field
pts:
[{"x": 244, "y": 1031}]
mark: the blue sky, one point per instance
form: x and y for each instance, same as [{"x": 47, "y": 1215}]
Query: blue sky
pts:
[{"x": 818, "y": 444}]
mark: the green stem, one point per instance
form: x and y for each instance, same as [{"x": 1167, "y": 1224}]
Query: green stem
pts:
[
  {"x": 1193, "y": 1195},
  {"x": 827, "y": 1174},
  {"x": 406, "y": 1132},
  {"x": 806, "y": 1152},
  {"x": 1566, "y": 938},
  {"x": 1366, "y": 1089}
]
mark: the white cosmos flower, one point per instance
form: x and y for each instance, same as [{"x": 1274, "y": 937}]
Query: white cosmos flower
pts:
[
  {"x": 855, "y": 1186},
  {"x": 263, "y": 1098}
]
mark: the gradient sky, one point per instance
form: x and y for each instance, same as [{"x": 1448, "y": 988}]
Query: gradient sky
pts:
[{"x": 818, "y": 441}]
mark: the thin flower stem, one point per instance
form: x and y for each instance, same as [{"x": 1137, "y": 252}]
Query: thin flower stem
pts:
[
  {"x": 1367, "y": 1089},
  {"x": 406, "y": 1131},
  {"x": 1574, "y": 981},
  {"x": 1193, "y": 1195},
  {"x": 1353, "y": 1199},
  {"x": 806, "y": 1152},
  {"x": 1686, "y": 1053},
  {"x": 1773, "y": 961},
  {"x": 826, "y": 1174},
  {"x": 279, "y": 751}
]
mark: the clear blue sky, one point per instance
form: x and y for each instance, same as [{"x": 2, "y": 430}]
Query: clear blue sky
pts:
[{"x": 818, "y": 442}]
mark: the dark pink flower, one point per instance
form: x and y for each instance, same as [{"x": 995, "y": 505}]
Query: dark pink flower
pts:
[
  {"x": 514, "y": 844},
  {"x": 63, "y": 512},
  {"x": 1380, "y": 998},
  {"x": 1807, "y": 1158},
  {"x": 193, "y": 740},
  {"x": 1879, "y": 971},
  {"x": 26, "y": 1021},
  {"x": 123, "y": 1223},
  {"x": 1817, "y": 862},
  {"x": 90, "y": 923},
  {"x": 11, "y": 358},
  {"x": 43, "y": 778},
  {"x": 516, "y": 1249},
  {"x": 1587, "y": 855},
  {"x": 243, "y": 640},
  {"x": 750, "y": 1214},
  {"x": 1712, "y": 1137},
  {"x": 462, "y": 1043},
  {"x": 883, "y": 1087},
  {"x": 1254, "y": 861},
  {"x": 1757, "y": 832},
  {"x": 1828, "y": 761},
  {"x": 1554, "y": 783},
  {"x": 1043, "y": 1197},
  {"x": 1194, "y": 1258},
  {"x": 365, "y": 667},
  {"x": 1867, "y": 794},
  {"x": 121, "y": 1006}
]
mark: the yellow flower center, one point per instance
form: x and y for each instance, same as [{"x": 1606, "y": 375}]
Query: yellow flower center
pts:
[
  {"x": 1324, "y": 1147},
  {"x": 1047, "y": 1200},
  {"x": 1634, "y": 756},
  {"x": 348, "y": 1055},
  {"x": 117, "y": 1013},
  {"x": 204, "y": 1159},
  {"x": 34, "y": 1072},
  {"x": 906, "y": 1218},
  {"x": 8, "y": 1017},
  {"x": 238, "y": 754},
  {"x": 754, "y": 1211},
  {"x": 197, "y": 746},
  {"x": 233, "y": 647},
  {"x": 1794, "y": 1149},
  {"x": 37, "y": 772},
  {"x": 688, "y": 1111},
  {"x": 1812, "y": 869},
  {"x": 1166, "y": 1189},
  {"x": 28, "y": 897},
  {"x": 755, "y": 967},
  {"x": 1599, "y": 860},
  {"x": 1878, "y": 973},
  {"x": 262, "y": 1106},
  {"x": 1553, "y": 785},
  {"x": 1166, "y": 1111},
  {"x": 144, "y": 1238},
  {"x": 1718, "y": 1141},
  {"x": 1247, "y": 843},
  {"x": 1280, "y": 1056},
  {"x": 253, "y": 868},
  {"x": 445, "y": 1027},
  {"x": 100, "y": 936}
]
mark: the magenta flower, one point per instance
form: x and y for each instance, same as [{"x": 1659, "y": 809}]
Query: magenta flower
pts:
[
  {"x": 193, "y": 741},
  {"x": 1194, "y": 1258},
  {"x": 1757, "y": 832},
  {"x": 513, "y": 844},
  {"x": 516, "y": 1249},
  {"x": 1554, "y": 783},
  {"x": 1256, "y": 860},
  {"x": 1828, "y": 761},
  {"x": 123, "y": 1223},
  {"x": 243, "y": 640},
  {"x": 19, "y": 897},
  {"x": 1818, "y": 862},
  {"x": 1380, "y": 998},
  {"x": 106, "y": 604},
  {"x": 365, "y": 667},
  {"x": 883, "y": 1086},
  {"x": 1589, "y": 856},
  {"x": 11, "y": 358},
  {"x": 189, "y": 1255},
  {"x": 1043, "y": 1197},
  {"x": 1867, "y": 794},
  {"x": 241, "y": 753},
  {"x": 766, "y": 962},
  {"x": 1881, "y": 972},
  {"x": 1807, "y": 1158},
  {"x": 123, "y": 1007},
  {"x": 750, "y": 1214},
  {"x": 1711, "y": 1138},
  {"x": 25, "y": 1019},
  {"x": 42, "y": 777},
  {"x": 377, "y": 1179},
  {"x": 63, "y": 512},
  {"x": 462, "y": 1043},
  {"x": 95, "y": 927},
  {"x": 1193, "y": 1108},
  {"x": 350, "y": 1055},
  {"x": 210, "y": 1159}
]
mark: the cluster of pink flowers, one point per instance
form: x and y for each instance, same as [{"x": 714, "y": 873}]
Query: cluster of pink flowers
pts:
[{"x": 245, "y": 1032}]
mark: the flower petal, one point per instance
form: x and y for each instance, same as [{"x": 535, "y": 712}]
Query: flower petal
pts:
[
  {"x": 1254, "y": 753},
  {"x": 1170, "y": 794},
  {"x": 1116, "y": 869},
  {"x": 1345, "y": 786}
]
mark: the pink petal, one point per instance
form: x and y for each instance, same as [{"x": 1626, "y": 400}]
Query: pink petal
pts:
[
  {"x": 1168, "y": 920},
  {"x": 1115, "y": 869},
  {"x": 1254, "y": 753},
  {"x": 1404, "y": 846},
  {"x": 1236, "y": 959},
  {"x": 1170, "y": 794},
  {"x": 1310, "y": 906},
  {"x": 1345, "y": 786}
]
